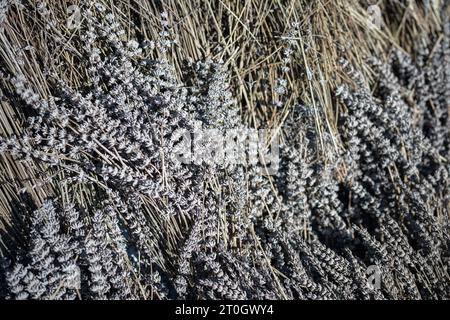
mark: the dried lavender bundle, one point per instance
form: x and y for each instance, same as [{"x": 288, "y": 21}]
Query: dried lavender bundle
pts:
[{"x": 132, "y": 219}]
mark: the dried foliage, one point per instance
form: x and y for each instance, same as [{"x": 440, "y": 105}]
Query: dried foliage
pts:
[{"x": 96, "y": 204}]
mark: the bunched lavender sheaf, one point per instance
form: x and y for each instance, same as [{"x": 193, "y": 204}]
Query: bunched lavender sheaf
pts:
[
  {"x": 61, "y": 258},
  {"x": 128, "y": 219}
]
